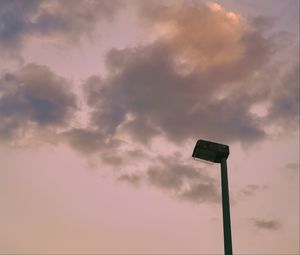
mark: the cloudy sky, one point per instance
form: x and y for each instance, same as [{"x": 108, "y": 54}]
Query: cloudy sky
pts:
[{"x": 101, "y": 103}]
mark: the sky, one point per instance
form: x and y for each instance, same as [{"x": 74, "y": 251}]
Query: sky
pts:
[{"x": 102, "y": 102}]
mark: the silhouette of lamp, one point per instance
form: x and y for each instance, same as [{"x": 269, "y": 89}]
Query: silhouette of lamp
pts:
[{"x": 218, "y": 153}]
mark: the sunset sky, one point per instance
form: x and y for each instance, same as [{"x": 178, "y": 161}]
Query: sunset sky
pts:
[{"x": 102, "y": 102}]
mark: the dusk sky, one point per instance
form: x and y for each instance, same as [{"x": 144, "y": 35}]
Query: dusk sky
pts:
[{"x": 102, "y": 102}]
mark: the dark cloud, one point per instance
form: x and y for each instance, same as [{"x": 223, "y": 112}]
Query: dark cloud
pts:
[
  {"x": 34, "y": 97},
  {"x": 193, "y": 80},
  {"x": 171, "y": 174},
  {"x": 14, "y": 20},
  {"x": 272, "y": 225},
  {"x": 66, "y": 20},
  {"x": 199, "y": 77},
  {"x": 148, "y": 97},
  {"x": 202, "y": 192},
  {"x": 88, "y": 141},
  {"x": 183, "y": 181},
  {"x": 111, "y": 151}
]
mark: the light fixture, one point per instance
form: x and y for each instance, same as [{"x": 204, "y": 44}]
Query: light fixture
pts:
[{"x": 218, "y": 153}]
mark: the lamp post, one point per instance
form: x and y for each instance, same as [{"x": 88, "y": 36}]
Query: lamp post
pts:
[{"x": 218, "y": 153}]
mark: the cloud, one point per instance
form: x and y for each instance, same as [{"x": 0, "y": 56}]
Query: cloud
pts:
[
  {"x": 145, "y": 96},
  {"x": 112, "y": 152},
  {"x": 172, "y": 174},
  {"x": 293, "y": 166},
  {"x": 183, "y": 181},
  {"x": 88, "y": 141},
  {"x": 133, "y": 179},
  {"x": 201, "y": 75},
  {"x": 285, "y": 100},
  {"x": 33, "y": 98},
  {"x": 272, "y": 225},
  {"x": 13, "y": 17},
  {"x": 252, "y": 189},
  {"x": 291, "y": 170},
  {"x": 208, "y": 38},
  {"x": 51, "y": 20},
  {"x": 201, "y": 193}
]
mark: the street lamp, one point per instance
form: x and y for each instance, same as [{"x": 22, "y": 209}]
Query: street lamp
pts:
[{"x": 218, "y": 153}]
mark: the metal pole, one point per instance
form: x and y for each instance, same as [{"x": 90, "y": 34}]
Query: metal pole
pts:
[{"x": 226, "y": 209}]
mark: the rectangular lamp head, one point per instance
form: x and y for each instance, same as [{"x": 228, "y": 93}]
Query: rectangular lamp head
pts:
[{"x": 210, "y": 151}]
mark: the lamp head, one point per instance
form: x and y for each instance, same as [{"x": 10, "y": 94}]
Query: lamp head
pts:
[{"x": 210, "y": 151}]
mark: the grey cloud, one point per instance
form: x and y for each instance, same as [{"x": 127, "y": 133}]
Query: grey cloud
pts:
[
  {"x": 178, "y": 179},
  {"x": 293, "y": 166},
  {"x": 285, "y": 100},
  {"x": 110, "y": 151},
  {"x": 148, "y": 92},
  {"x": 202, "y": 192},
  {"x": 250, "y": 190},
  {"x": 73, "y": 18},
  {"x": 136, "y": 154},
  {"x": 93, "y": 142},
  {"x": 173, "y": 88},
  {"x": 161, "y": 101},
  {"x": 115, "y": 156},
  {"x": 183, "y": 181},
  {"x": 164, "y": 178},
  {"x": 13, "y": 19},
  {"x": 272, "y": 225},
  {"x": 133, "y": 179},
  {"x": 263, "y": 22},
  {"x": 84, "y": 140},
  {"x": 34, "y": 97},
  {"x": 89, "y": 141},
  {"x": 291, "y": 170},
  {"x": 67, "y": 20}
]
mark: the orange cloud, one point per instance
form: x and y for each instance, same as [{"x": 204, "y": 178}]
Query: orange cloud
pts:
[{"x": 201, "y": 36}]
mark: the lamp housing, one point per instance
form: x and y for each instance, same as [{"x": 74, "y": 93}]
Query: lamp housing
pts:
[{"x": 210, "y": 151}]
